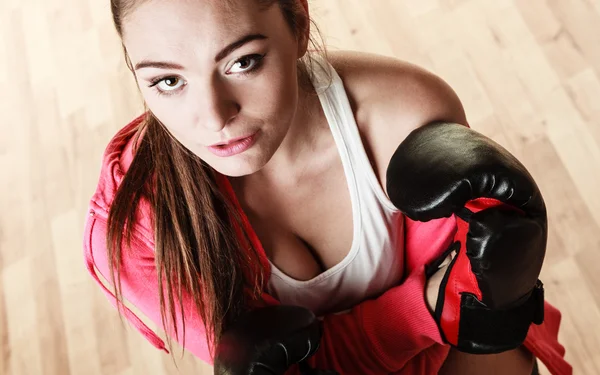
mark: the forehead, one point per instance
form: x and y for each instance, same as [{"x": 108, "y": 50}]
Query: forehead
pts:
[{"x": 179, "y": 24}]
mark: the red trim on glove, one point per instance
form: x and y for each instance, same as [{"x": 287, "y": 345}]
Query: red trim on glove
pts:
[{"x": 461, "y": 278}]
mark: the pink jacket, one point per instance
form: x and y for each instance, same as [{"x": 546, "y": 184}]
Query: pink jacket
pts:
[{"x": 394, "y": 333}]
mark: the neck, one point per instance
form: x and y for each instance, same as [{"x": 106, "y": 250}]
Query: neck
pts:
[{"x": 299, "y": 145}]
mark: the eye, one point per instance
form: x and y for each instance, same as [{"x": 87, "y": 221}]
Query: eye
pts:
[
  {"x": 168, "y": 84},
  {"x": 246, "y": 64}
]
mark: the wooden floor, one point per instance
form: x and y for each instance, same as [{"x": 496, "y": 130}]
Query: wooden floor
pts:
[{"x": 528, "y": 73}]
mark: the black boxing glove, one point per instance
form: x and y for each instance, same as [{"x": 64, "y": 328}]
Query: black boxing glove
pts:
[
  {"x": 268, "y": 341},
  {"x": 490, "y": 293}
]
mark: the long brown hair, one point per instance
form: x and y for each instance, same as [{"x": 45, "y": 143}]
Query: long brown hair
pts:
[{"x": 196, "y": 247}]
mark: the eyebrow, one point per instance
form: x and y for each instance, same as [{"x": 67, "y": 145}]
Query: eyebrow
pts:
[
  {"x": 237, "y": 44},
  {"x": 220, "y": 56}
]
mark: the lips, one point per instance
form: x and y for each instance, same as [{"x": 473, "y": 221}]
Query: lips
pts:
[
  {"x": 233, "y": 140},
  {"x": 234, "y": 146}
]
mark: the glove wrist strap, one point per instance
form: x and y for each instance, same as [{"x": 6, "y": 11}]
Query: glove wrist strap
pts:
[{"x": 486, "y": 331}]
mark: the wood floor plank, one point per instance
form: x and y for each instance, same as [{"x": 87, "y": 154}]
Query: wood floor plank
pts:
[
  {"x": 577, "y": 320},
  {"x": 24, "y": 353},
  {"x": 578, "y": 18}
]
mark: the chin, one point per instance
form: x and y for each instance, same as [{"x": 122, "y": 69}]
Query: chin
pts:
[
  {"x": 237, "y": 172},
  {"x": 244, "y": 164},
  {"x": 237, "y": 167}
]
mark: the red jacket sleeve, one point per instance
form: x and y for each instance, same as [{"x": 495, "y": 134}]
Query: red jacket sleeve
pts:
[{"x": 139, "y": 287}]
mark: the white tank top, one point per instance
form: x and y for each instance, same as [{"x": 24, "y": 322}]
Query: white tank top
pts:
[{"x": 375, "y": 261}]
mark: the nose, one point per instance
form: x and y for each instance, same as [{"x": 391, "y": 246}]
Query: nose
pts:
[{"x": 218, "y": 106}]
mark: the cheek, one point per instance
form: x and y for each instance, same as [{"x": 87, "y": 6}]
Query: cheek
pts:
[
  {"x": 175, "y": 123},
  {"x": 278, "y": 93},
  {"x": 174, "y": 114}
]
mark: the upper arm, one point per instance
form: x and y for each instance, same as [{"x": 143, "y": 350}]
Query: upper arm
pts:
[{"x": 390, "y": 99}]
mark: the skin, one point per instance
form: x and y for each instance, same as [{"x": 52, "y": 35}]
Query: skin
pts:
[{"x": 208, "y": 101}]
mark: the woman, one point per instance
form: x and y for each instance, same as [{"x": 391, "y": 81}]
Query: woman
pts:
[{"x": 257, "y": 177}]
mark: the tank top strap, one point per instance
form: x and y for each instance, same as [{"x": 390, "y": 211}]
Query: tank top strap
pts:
[{"x": 338, "y": 111}]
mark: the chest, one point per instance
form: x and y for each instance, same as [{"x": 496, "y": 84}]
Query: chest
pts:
[{"x": 306, "y": 227}]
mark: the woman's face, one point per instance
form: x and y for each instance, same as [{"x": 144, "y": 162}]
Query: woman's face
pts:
[{"x": 214, "y": 71}]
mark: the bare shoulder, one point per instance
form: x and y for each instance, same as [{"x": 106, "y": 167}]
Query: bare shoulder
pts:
[
  {"x": 398, "y": 92},
  {"x": 390, "y": 98}
]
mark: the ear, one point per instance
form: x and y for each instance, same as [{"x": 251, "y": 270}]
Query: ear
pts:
[{"x": 303, "y": 28}]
